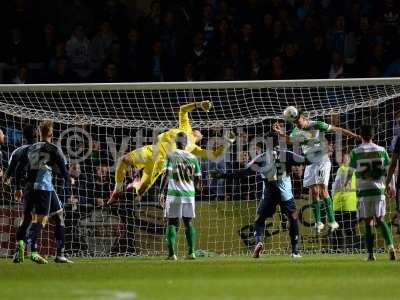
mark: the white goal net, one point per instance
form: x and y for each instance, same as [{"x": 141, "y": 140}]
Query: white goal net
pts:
[{"x": 97, "y": 123}]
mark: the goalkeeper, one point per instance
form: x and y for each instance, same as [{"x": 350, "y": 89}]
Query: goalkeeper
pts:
[{"x": 150, "y": 159}]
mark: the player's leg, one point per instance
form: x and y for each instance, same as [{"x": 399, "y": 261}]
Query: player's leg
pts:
[
  {"x": 324, "y": 194},
  {"x": 366, "y": 211},
  {"x": 310, "y": 181},
  {"x": 316, "y": 207},
  {"x": 323, "y": 175},
  {"x": 188, "y": 213},
  {"x": 172, "y": 212},
  {"x": 23, "y": 228},
  {"x": 369, "y": 237},
  {"x": 171, "y": 235},
  {"x": 380, "y": 209},
  {"x": 289, "y": 209},
  {"x": 265, "y": 209},
  {"x": 41, "y": 200},
  {"x": 57, "y": 215}
]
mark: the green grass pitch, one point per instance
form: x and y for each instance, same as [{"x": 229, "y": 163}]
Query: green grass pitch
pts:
[{"x": 313, "y": 277}]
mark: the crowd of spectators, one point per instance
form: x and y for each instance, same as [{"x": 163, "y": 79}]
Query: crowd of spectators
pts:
[{"x": 58, "y": 41}]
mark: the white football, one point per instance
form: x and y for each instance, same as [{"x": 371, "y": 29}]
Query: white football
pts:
[{"x": 290, "y": 114}]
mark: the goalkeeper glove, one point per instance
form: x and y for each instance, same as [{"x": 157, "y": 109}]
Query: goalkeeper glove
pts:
[
  {"x": 204, "y": 105},
  {"x": 230, "y": 137}
]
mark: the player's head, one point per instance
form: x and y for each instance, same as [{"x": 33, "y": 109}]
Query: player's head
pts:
[
  {"x": 28, "y": 134},
  {"x": 46, "y": 130},
  {"x": 301, "y": 120},
  {"x": 197, "y": 136},
  {"x": 367, "y": 132},
  {"x": 181, "y": 140}
]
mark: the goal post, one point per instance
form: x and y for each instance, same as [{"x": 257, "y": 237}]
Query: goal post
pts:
[{"x": 95, "y": 124}]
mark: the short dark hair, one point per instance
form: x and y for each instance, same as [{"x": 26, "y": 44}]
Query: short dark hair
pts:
[
  {"x": 367, "y": 131},
  {"x": 29, "y": 133},
  {"x": 300, "y": 113},
  {"x": 181, "y": 140}
]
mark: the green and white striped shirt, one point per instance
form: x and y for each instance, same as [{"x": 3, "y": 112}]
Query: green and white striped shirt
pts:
[
  {"x": 370, "y": 163},
  {"x": 310, "y": 137},
  {"x": 182, "y": 167}
]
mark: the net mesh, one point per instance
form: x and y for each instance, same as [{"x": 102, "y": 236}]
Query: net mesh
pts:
[{"x": 96, "y": 124}]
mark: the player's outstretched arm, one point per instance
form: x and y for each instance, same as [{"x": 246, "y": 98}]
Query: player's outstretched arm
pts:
[
  {"x": 228, "y": 139},
  {"x": 280, "y": 130},
  {"x": 346, "y": 132},
  {"x": 184, "y": 110}
]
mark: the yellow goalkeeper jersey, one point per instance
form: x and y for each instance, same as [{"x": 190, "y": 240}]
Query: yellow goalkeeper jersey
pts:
[{"x": 166, "y": 142}]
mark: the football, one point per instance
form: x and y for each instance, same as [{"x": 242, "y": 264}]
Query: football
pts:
[{"x": 290, "y": 113}]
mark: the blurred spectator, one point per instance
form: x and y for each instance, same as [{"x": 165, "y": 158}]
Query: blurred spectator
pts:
[
  {"x": 101, "y": 45},
  {"x": 99, "y": 188},
  {"x": 200, "y": 57},
  {"x": 342, "y": 41},
  {"x": 16, "y": 49},
  {"x": 155, "y": 64},
  {"x": 61, "y": 74},
  {"x": 317, "y": 59},
  {"x": 22, "y": 75},
  {"x": 76, "y": 191},
  {"x": 132, "y": 55},
  {"x": 111, "y": 73},
  {"x": 77, "y": 50},
  {"x": 337, "y": 69}
]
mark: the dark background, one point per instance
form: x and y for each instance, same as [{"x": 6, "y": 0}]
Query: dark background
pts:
[{"x": 133, "y": 41}]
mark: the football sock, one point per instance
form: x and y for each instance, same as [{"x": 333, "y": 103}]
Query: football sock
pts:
[
  {"x": 294, "y": 234},
  {"x": 171, "y": 239},
  {"x": 387, "y": 234},
  {"x": 59, "y": 234},
  {"x": 329, "y": 209},
  {"x": 22, "y": 229},
  {"x": 35, "y": 231},
  {"x": 369, "y": 238},
  {"x": 316, "y": 209},
  {"x": 190, "y": 233},
  {"x": 259, "y": 228}
]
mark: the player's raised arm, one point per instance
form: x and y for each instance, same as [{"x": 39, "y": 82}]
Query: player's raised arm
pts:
[
  {"x": 184, "y": 110},
  {"x": 346, "y": 132},
  {"x": 228, "y": 139},
  {"x": 280, "y": 130}
]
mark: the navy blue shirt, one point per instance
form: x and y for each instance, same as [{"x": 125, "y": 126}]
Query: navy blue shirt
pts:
[
  {"x": 13, "y": 162},
  {"x": 41, "y": 160}
]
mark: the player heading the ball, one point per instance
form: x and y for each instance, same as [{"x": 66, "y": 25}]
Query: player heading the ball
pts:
[{"x": 308, "y": 134}]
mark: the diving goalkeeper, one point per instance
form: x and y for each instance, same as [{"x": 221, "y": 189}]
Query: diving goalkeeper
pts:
[{"x": 150, "y": 159}]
